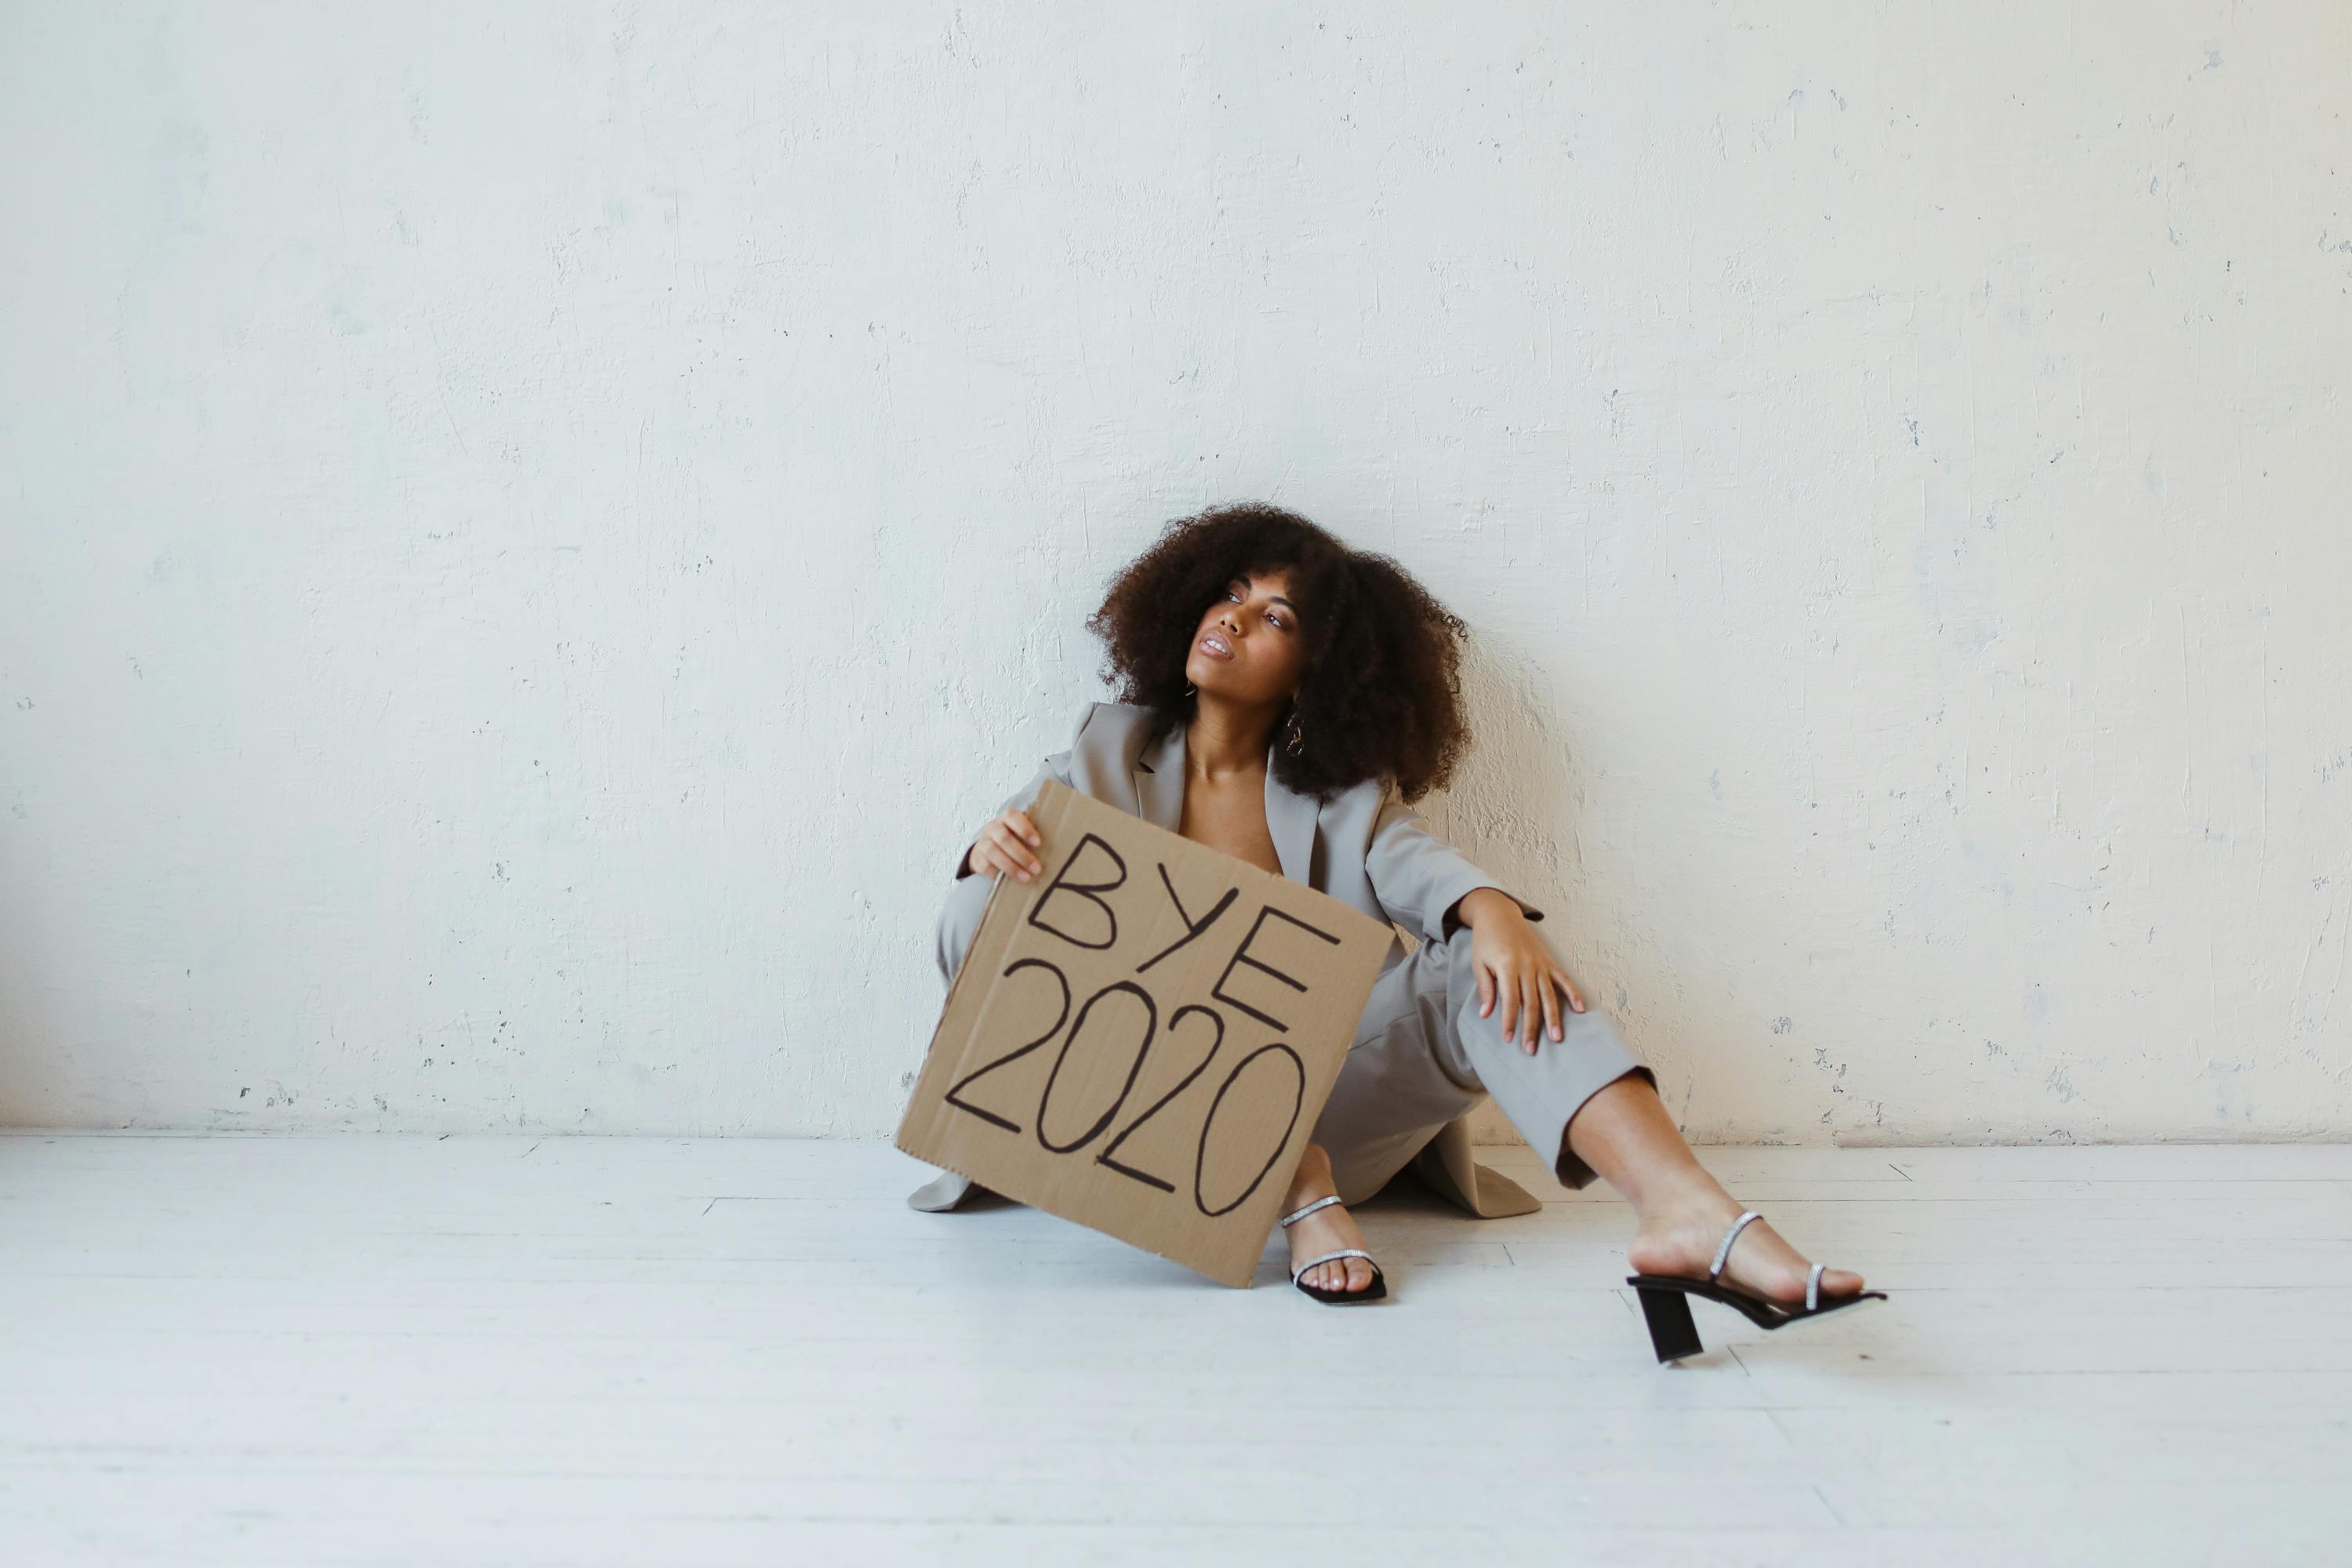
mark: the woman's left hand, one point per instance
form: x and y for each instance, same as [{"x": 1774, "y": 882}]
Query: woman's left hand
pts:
[{"x": 1516, "y": 968}]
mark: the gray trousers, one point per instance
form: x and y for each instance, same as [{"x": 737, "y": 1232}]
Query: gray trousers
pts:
[{"x": 1421, "y": 1058}]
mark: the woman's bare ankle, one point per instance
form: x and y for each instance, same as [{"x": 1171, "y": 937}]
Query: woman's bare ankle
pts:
[
  {"x": 1676, "y": 1190},
  {"x": 1313, "y": 1179}
]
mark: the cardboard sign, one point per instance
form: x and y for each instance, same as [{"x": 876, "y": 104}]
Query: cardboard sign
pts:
[{"x": 1143, "y": 1035}]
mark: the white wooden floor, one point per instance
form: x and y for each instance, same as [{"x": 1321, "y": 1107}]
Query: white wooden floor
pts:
[{"x": 474, "y": 1350}]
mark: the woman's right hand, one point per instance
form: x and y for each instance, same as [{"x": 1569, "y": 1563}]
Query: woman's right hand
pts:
[{"x": 1004, "y": 845}]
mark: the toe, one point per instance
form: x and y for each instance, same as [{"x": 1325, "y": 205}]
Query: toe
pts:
[
  {"x": 1359, "y": 1274},
  {"x": 1840, "y": 1282}
]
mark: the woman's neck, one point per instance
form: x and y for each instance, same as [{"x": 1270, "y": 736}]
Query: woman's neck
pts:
[{"x": 1222, "y": 740}]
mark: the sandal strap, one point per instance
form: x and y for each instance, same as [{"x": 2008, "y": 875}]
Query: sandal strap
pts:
[
  {"x": 1723, "y": 1252},
  {"x": 1290, "y": 1219},
  {"x": 1333, "y": 1258},
  {"x": 1814, "y": 1287}
]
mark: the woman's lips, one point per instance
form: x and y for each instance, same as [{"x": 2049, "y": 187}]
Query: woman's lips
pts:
[{"x": 1211, "y": 645}]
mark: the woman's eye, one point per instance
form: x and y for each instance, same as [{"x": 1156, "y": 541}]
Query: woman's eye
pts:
[{"x": 1237, "y": 594}]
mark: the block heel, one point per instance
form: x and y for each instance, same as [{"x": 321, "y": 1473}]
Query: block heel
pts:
[
  {"x": 1665, "y": 1300},
  {"x": 1672, "y": 1333}
]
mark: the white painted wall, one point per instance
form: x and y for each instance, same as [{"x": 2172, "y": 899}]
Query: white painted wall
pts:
[{"x": 533, "y": 534}]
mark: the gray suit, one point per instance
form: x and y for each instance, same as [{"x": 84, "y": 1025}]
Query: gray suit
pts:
[{"x": 1422, "y": 1058}]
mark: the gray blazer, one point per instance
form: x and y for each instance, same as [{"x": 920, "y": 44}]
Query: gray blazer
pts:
[{"x": 1365, "y": 847}]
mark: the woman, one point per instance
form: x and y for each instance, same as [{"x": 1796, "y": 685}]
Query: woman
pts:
[{"x": 1283, "y": 698}]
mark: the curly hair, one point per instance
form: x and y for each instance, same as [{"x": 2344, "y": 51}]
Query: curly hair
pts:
[{"x": 1381, "y": 693}]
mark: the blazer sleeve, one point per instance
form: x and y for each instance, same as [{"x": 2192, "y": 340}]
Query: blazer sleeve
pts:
[
  {"x": 1418, "y": 877},
  {"x": 1057, "y": 766}
]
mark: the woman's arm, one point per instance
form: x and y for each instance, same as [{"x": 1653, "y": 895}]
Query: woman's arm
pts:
[
  {"x": 1418, "y": 878},
  {"x": 1057, "y": 766}
]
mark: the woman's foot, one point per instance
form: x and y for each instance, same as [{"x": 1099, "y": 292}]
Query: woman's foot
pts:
[
  {"x": 1678, "y": 1235},
  {"x": 1327, "y": 1229}
]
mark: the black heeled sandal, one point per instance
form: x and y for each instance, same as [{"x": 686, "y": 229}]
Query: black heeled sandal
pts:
[
  {"x": 1665, "y": 1305},
  {"x": 1372, "y": 1293}
]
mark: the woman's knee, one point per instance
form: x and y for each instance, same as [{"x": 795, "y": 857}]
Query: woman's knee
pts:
[
  {"x": 950, "y": 945},
  {"x": 957, "y": 921}
]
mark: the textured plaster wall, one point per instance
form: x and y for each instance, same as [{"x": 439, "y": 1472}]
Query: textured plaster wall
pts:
[{"x": 532, "y": 534}]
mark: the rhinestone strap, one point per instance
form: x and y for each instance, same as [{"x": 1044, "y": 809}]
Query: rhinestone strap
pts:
[
  {"x": 1725, "y": 1250},
  {"x": 1290, "y": 1219}
]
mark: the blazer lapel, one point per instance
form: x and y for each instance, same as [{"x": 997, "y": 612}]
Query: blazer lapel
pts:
[
  {"x": 1290, "y": 818},
  {"x": 1159, "y": 779},
  {"x": 1158, "y": 776}
]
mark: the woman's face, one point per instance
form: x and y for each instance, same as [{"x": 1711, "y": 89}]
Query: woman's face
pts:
[{"x": 1249, "y": 647}]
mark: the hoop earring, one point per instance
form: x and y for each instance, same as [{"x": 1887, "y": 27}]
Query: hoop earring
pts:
[{"x": 1188, "y": 688}]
